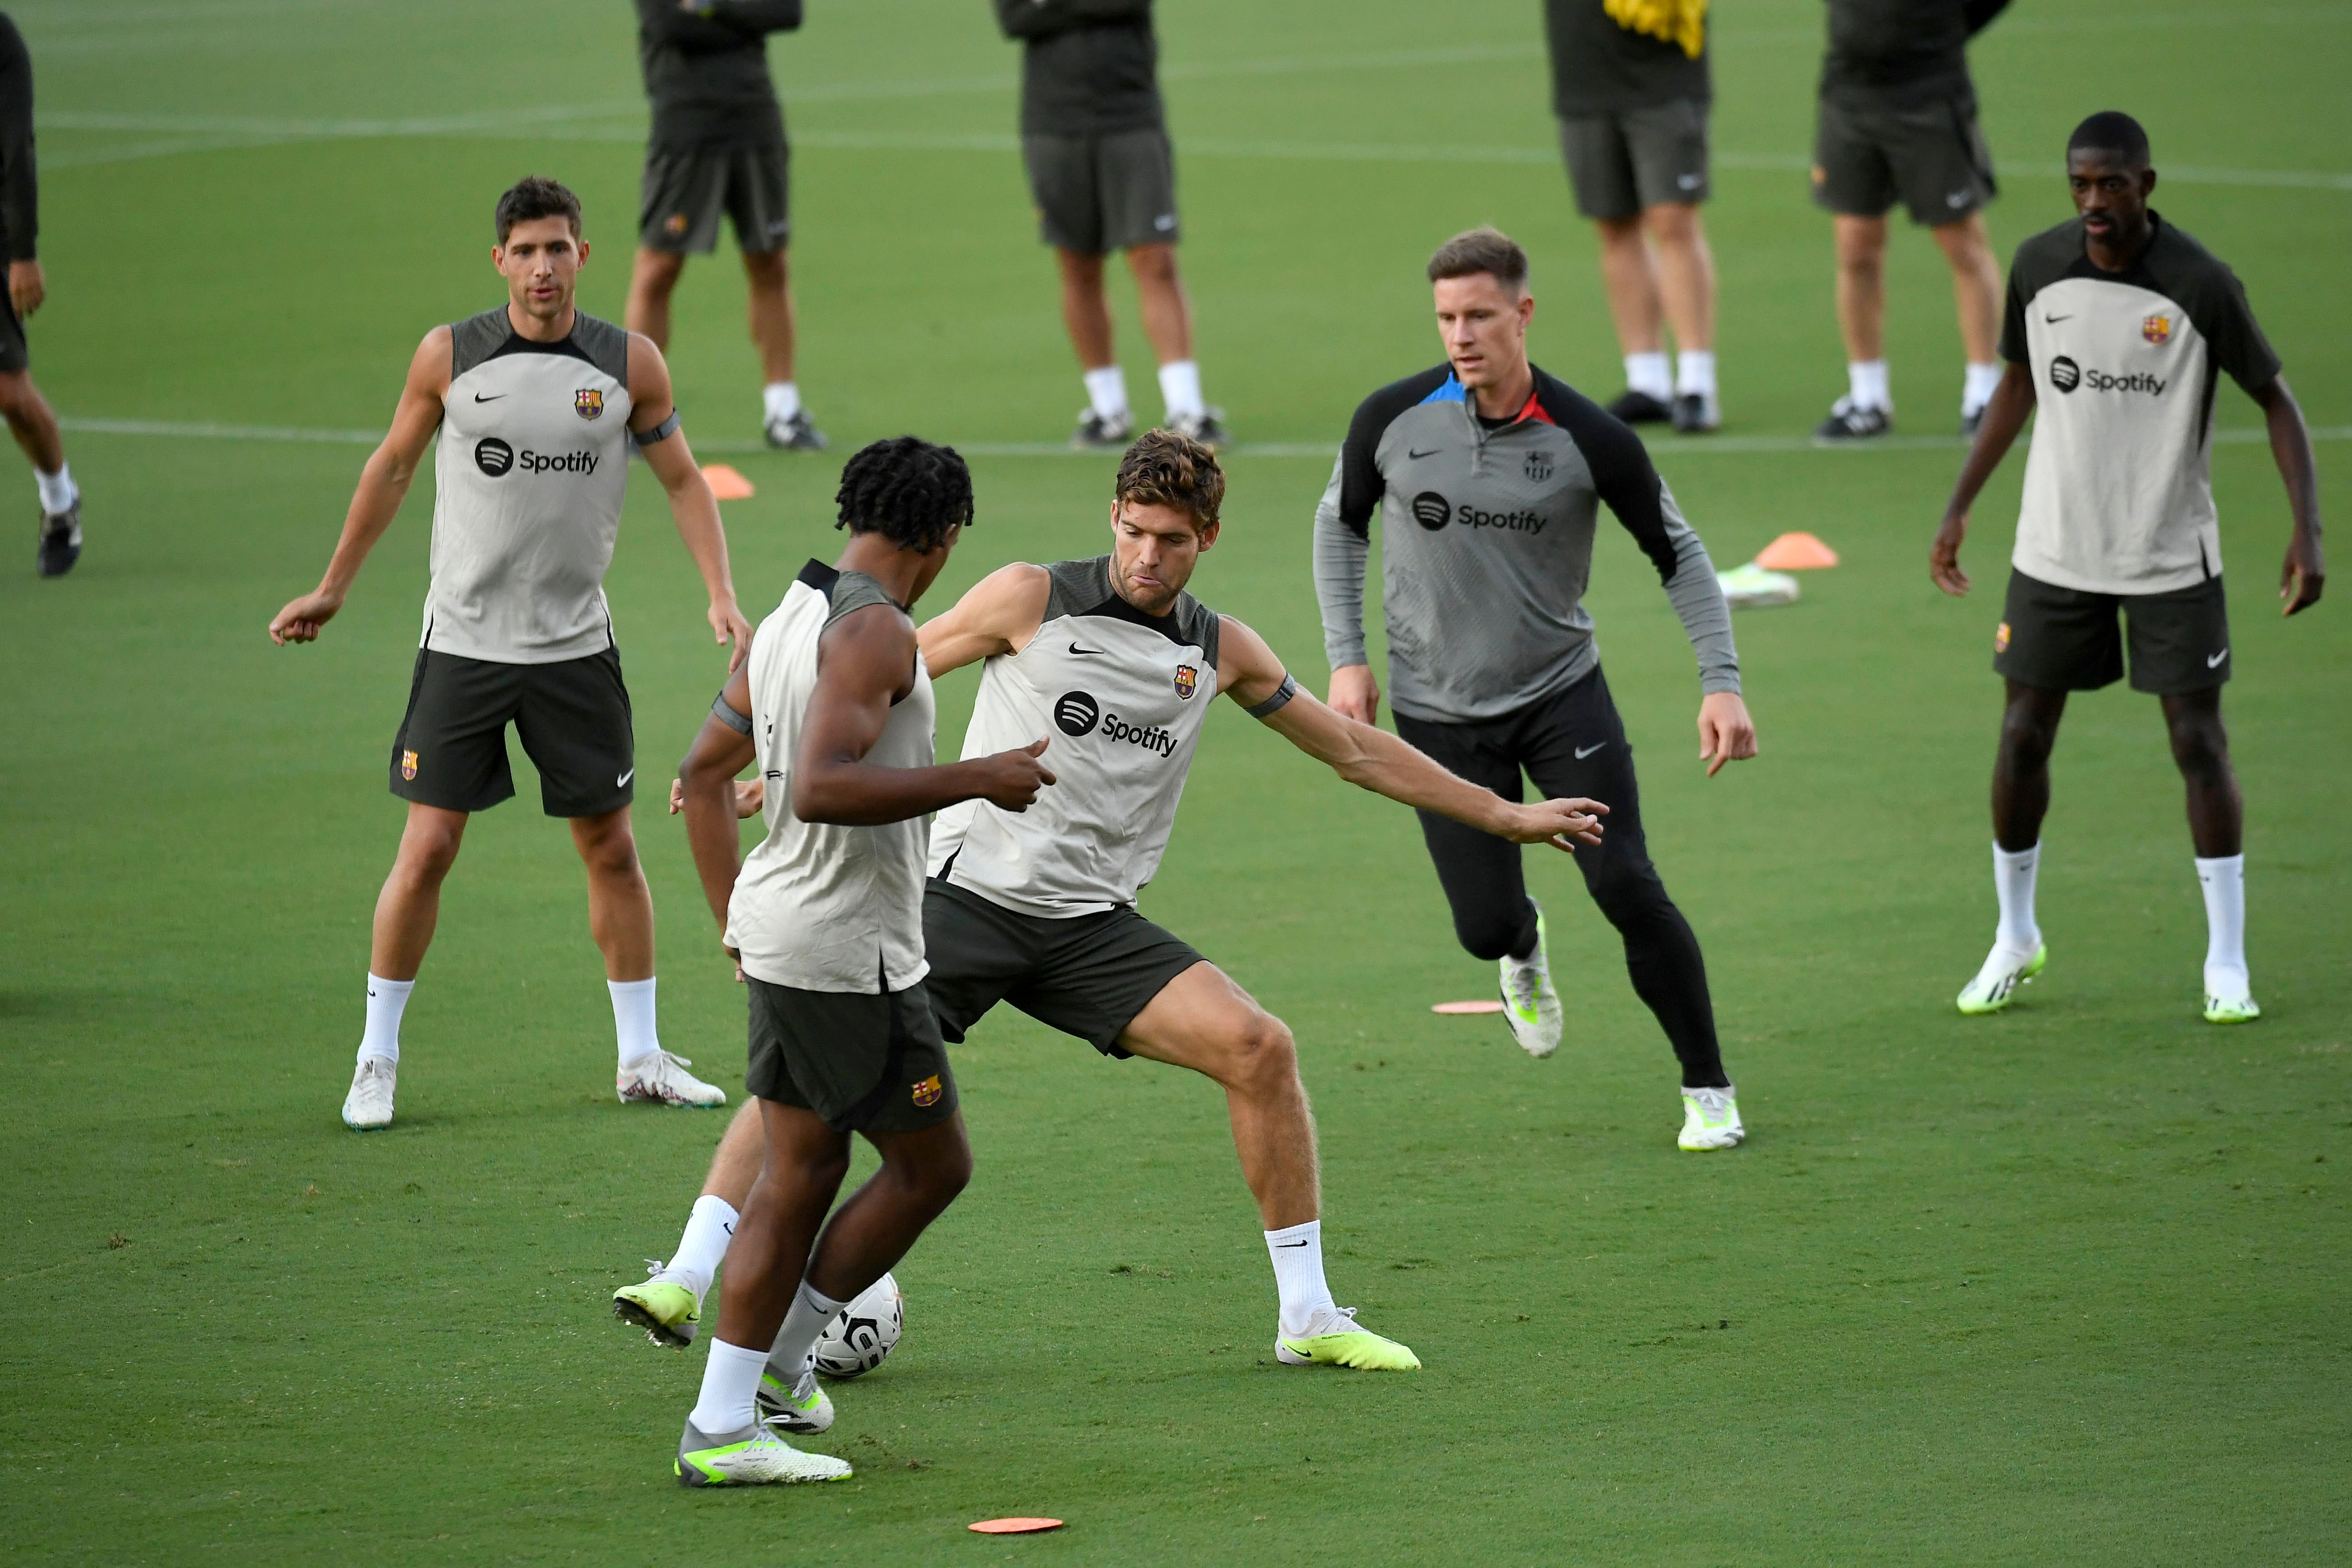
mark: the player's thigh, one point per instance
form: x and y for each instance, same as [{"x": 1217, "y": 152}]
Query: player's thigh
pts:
[
  {"x": 1135, "y": 189},
  {"x": 2057, "y": 639},
  {"x": 1575, "y": 745},
  {"x": 1940, "y": 161},
  {"x": 1600, "y": 167},
  {"x": 976, "y": 950},
  {"x": 1850, "y": 171},
  {"x": 451, "y": 747},
  {"x": 858, "y": 1062},
  {"x": 1062, "y": 183},
  {"x": 1480, "y": 872},
  {"x": 1204, "y": 1020},
  {"x": 680, "y": 201},
  {"x": 1667, "y": 147},
  {"x": 575, "y": 724},
  {"x": 16, "y": 356},
  {"x": 2180, "y": 641},
  {"x": 759, "y": 198},
  {"x": 1093, "y": 976}
]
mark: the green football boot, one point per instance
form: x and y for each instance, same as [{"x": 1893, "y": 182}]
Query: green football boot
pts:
[
  {"x": 665, "y": 1306},
  {"x": 799, "y": 1405},
  {"x": 1996, "y": 983},
  {"x": 2232, "y": 1001},
  {"x": 1530, "y": 1004},
  {"x": 1332, "y": 1339},
  {"x": 752, "y": 1457}
]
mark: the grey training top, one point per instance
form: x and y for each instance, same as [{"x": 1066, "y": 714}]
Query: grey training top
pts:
[{"x": 1487, "y": 545}]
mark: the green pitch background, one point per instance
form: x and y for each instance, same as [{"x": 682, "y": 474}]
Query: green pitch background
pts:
[{"x": 2062, "y": 1285}]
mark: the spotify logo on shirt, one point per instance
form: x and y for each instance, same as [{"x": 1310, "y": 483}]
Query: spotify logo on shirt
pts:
[
  {"x": 1077, "y": 713},
  {"x": 493, "y": 457}
]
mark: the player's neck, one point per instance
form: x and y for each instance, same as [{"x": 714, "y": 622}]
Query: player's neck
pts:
[
  {"x": 1502, "y": 399},
  {"x": 2118, "y": 254},
  {"x": 898, "y": 571},
  {"x": 532, "y": 330}
]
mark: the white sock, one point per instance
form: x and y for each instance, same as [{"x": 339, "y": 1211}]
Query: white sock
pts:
[
  {"x": 2013, "y": 879},
  {"x": 58, "y": 489},
  {"x": 2225, "y": 925},
  {"x": 709, "y": 1229},
  {"x": 1976, "y": 390},
  {"x": 1298, "y": 1254},
  {"x": 730, "y": 1389},
  {"x": 1179, "y": 390},
  {"x": 1695, "y": 372},
  {"x": 782, "y": 399},
  {"x": 1106, "y": 391},
  {"x": 1866, "y": 383},
  {"x": 387, "y": 1000},
  {"x": 633, "y": 1019},
  {"x": 1650, "y": 373},
  {"x": 803, "y": 1321}
]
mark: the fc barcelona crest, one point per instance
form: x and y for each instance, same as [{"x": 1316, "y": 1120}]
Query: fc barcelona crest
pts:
[
  {"x": 1186, "y": 679},
  {"x": 2157, "y": 330},
  {"x": 588, "y": 403},
  {"x": 928, "y": 1091},
  {"x": 408, "y": 765}
]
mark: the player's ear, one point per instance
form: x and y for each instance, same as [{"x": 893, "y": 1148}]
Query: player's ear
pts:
[
  {"x": 583, "y": 251},
  {"x": 2146, "y": 183},
  {"x": 1208, "y": 533}
]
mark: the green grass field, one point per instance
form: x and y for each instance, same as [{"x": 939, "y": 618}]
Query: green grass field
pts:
[{"x": 2063, "y": 1285}]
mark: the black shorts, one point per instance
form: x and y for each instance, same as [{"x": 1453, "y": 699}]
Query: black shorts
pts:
[
  {"x": 686, "y": 191},
  {"x": 573, "y": 715},
  {"x": 864, "y": 1063},
  {"x": 1088, "y": 975},
  {"x": 14, "y": 354},
  {"x": 1931, "y": 156},
  {"x": 1652, "y": 156},
  {"x": 1096, "y": 194},
  {"x": 2065, "y": 640}
]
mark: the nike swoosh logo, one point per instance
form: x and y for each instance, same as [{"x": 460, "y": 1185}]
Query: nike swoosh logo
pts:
[
  {"x": 2053, "y": 321},
  {"x": 1585, "y": 751},
  {"x": 1076, "y": 649},
  {"x": 1433, "y": 452},
  {"x": 622, "y": 781},
  {"x": 492, "y": 398},
  {"x": 371, "y": 990},
  {"x": 2213, "y": 664},
  {"x": 1290, "y": 1244}
]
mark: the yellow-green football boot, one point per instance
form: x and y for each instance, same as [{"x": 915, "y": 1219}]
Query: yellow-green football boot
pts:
[
  {"x": 1530, "y": 1004},
  {"x": 752, "y": 1457},
  {"x": 2229, "y": 997},
  {"x": 2005, "y": 969},
  {"x": 665, "y": 1306},
  {"x": 795, "y": 1404},
  {"x": 1710, "y": 1120},
  {"x": 1332, "y": 1339}
]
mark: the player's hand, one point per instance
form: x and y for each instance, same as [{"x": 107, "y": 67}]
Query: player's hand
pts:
[
  {"x": 300, "y": 620},
  {"x": 2303, "y": 576},
  {"x": 1943, "y": 555},
  {"x": 1356, "y": 694},
  {"x": 1563, "y": 824},
  {"x": 728, "y": 625},
  {"x": 1011, "y": 779},
  {"x": 751, "y": 795},
  {"x": 735, "y": 958},
  {"x": 1726, "y": 732},
  {"x": 26, "y": 287}
]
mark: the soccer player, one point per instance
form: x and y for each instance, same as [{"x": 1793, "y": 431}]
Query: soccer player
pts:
[
  {"x": 1488, "y": 476},
  {"x": 1632, "y": 105},
  {"x": 1037, "y": 908},
  {"x": 1094, "y": 138},
  {"x": 532, "y": 402},
  {"x": 1898, "y": 122},
  {"x": 825, "y": 922},
  {"x": 2119, "y": 324},
  {"x": 30, "y": 419},
  {"x": 718, "y": 145}
]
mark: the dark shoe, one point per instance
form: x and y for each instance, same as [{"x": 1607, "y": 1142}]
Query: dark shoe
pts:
[
  {"x": 794, "y": 435},
  {"x": 1847, "y": 423},
  {"x": 1971, "y": 422},
  {"x": 1640, "y": 408},
  {"x": 1207, "y": 427},
  {"x": 1696, "y": 413},
  {"x": 1096, "y": 432},
  {"x": 60, "y": 540}
]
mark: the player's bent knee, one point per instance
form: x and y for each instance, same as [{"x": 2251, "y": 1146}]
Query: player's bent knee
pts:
[{"x": 1265, "y": 1055}]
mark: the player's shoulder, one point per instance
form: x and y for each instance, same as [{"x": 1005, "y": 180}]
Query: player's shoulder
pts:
[
  {"x": 476, "y": 339},
  {"x": 2043, "y": 258},
  {"x": 604, "y": 344},
  {"x": 1377, "y": 412},
  {"x": 2185, "y": 270},
  {"x": 1608, "y": 443}
]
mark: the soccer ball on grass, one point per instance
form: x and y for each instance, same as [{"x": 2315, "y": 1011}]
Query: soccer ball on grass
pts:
[{"x": 864, "y": 1332}]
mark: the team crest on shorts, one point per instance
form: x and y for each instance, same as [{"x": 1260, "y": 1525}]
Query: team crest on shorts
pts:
[
  {"x": 928, "y": 1091},
  {"x": 675, "y": 223},
  {"x": 588, "y": 403},
  {"x": 1187, "y": 679},
  {"x": 2157, "y": 330},
  {"x": 408, "y": 765},
  {"x": 2000, "y": 638}
]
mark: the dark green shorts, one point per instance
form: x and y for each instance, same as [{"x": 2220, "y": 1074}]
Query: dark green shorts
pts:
[
  {"x": 1096, "y": 194},
  {"x": 685, "y": 192},
  {"x": 1652, "y": 156},
  {"x": 2065, "y": 640},
  {"x": 573, "y": 715},
  {"x": 862, "y": 1063},
  {"x": 1086, "y": 975},
  {"x": 1930, "y": 156}
]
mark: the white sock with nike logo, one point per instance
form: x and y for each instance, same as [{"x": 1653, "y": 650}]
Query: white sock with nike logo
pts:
[
  {"x": 2224, "y": 879},
  {"x": 703, "y": 1248},
  {"x": 387, "y": 1000},
  {"x": 633, "y": 1019},
  {"x": 806, "y": 1319},
  {"x": 1298, "y": 1254}
]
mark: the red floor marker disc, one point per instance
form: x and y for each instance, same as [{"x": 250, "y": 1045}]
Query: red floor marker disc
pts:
[
  {"x": 1015, "y": 1526},
  {"x": 1477, "y": 1007}
]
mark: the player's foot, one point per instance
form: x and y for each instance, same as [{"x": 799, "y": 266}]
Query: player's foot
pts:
[
  {"x": 1207, "y": 427},
  {"x": 751, "y": 1457},
  {"x": 794, "y": 435},
  {"x": 1530, "y": 1005},
  {"x": 665, "y": 1306},
  {"x": 1971, "y": 422},
  {"x": 2005, "y": 969},
  {"x": 799, "y": 1405},
  {"x": 2230, "y": 997},
  {"x": 1640, "y": 408},
  {"x": 664, "y": 1077},
  {"x": 1711, "y": 1119},
  {"x": 1332, "y": 1339},
  {"x": 369, "y": 1105},
  {"x": 1848, "y": 423},
  {"x": 60, "y": 540},
  {"x": 1103, "y": 431},
  {"x": 1696, "y": 413}
]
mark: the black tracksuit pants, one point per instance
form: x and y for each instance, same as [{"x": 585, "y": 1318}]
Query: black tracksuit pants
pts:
[{"x": 1570, "y": 744}]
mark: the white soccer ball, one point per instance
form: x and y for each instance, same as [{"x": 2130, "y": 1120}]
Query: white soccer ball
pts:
[{"x": 864, "y": 1332}]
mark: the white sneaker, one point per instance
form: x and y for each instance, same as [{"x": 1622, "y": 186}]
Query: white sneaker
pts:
[
  {"x": 2005, "y": 969},
  {"x": 1530, "y": 1006},
  {"x": 368, "y": 1106},
  {"x": 664, "y": 1077},
  {"x": 1711, "y": 1119}
]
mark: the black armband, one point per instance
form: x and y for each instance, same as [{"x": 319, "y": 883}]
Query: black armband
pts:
[
  {"x": 724, "y": 711},
  {"x": 659, "y": 433},
  {"x": 1282, "y": 696}
]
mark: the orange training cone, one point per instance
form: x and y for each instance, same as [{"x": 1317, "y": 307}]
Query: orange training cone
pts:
[
  {"x": 730, "y": 485},
  {"x": 1796, "y": 552}
]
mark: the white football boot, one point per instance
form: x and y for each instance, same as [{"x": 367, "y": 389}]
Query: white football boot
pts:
[
  {"x": 1711, "y": 1119},
  {"x": 368, "y": 1107},
  {"x": 752, "y": 1457},
  {"x": 663, "y": 1079},
  {"x": 2229, "y": 996},
  {"x": 1530, "y": 1006},
  {"x": 2005, "y": 969},
  {"x": 795, "y": 1404}
]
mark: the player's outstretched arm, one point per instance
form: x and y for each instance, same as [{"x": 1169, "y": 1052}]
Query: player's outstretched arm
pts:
[
  {"x": 2004, "y": 416},
  {"x": 384, "y": 484},
  {"x": 998, "y": 615},
  {"x": 706, "y": 792},
  {"x": 2305, "y": 571},
  {"x": 1373, "y": 759},
  {"x": 652, "y": 418},
  {"x": 865, "y": 663}
]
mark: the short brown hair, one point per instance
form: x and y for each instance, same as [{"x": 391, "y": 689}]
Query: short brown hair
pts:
[
  {"x": 1483, "y": 249},
  {"x": 535, "y": 196},
  {"x": 1165, "y": 469}
]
